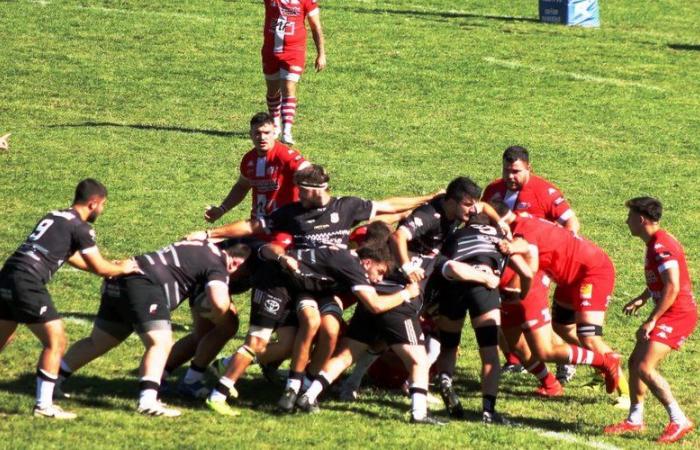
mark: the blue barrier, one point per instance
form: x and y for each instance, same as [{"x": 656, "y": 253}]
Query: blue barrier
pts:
[{"x": 582, "y": 13}]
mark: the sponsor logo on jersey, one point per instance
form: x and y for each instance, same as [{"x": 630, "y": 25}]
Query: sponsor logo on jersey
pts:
[
  {"x": 42, "y": 310},
  {"x": 271, "y": 306},
  {"x": 586, "y": 291},
  {"x": 335, "y": 218},
  {"x": 153, "y": 308}
]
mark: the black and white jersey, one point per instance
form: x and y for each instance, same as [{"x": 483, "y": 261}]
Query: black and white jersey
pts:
[
  {"x": 330, "y": 269},
  {"x": 475, "y": 244},
  {"x": 56, "y": 237},
  {"x": 428, "y": 227},
  {"x": 328, "y": 225},
  {"x": 180, "y": 267}
]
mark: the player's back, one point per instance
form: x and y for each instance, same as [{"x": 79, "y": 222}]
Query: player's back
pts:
[
  {"x": 54, "y": 239},
  {"x": 476, "y": 244}
]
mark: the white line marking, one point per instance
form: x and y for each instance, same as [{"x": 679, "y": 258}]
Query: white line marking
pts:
[
  {"x": 567, "y": 437},
  {"x": 511, "y": 64},
  {"x": 199, "y": 17}
]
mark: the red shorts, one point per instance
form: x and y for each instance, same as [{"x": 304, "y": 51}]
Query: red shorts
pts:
[
  {"x": 532, "y": 312},
  {"x": 591, "y": 292},
  {"x": 288, "y": 65},
  {"x": 674, "y": 329}
]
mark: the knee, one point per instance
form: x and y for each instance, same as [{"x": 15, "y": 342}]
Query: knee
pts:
[{"x": 645, "y": 371}]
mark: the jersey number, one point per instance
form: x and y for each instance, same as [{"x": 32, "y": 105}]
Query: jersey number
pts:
[{"x": 40, "y": 229}]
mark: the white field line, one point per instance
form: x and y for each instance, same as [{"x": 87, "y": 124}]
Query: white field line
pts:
[
  {"x": 511, "y": 64},
  {"x": 199, "y": 17},
  {"x": 567, "y": 437}
]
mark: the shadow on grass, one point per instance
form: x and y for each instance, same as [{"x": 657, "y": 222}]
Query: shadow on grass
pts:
[
  {"x": 433, "y": 14},
  {"x": 687, "y": 47},
  {"x": 139, "y": 126},
  {"x": 85, "y": 390}
]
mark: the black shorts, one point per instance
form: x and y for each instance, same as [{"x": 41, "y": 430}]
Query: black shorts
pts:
[
  {"x": 24, "y": 298},
  {"x": 271, "y": 307},
  {"x": 455, "y": 299},
  {"x": 396, "y": 326},
  {"x": 563, "y": 316},
  {"x": 325, "y": 302},
  {"x": 132, "y": 303}
]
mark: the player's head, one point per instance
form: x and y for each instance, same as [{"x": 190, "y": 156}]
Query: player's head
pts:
[
  {"x": 312, "y": 182},
  {"x": 376, "y": 260},
  {"x": 644, "y": 213},
  {"x": 377, "y": 234},
  {"x": 516, "y": 167},
  {"x": 503, "y": 211},
  {"x": 263, "y": 132},
  {"x": 236, "y": 256},
  {"x": 92, "y": 195},
  {"x": 462, "y": 199}
]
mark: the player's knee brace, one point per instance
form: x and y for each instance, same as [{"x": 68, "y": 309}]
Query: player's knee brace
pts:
[
  {"x": 588, "y": 330},
  {"x": 449, "y": 339},
  {"x": 247, "y": 352},
  {"x": 486, "y": 336}
]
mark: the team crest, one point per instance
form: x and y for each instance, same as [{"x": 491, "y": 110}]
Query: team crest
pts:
[
  {"x": 335, "y": 218},
  {"x": 153, "y": 308},
  {"x": 271, "y": 306},
  {"x": 42, "y": 310}
]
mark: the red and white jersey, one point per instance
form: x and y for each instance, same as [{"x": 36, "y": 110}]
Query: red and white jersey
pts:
[
  {"x": 538, "y": 197},
  {"x": 284, "y": 24},
  {"x": 664, "y": 252},
  {"x": 562, "y": 255},
  {"x": 271, "y": 177}
]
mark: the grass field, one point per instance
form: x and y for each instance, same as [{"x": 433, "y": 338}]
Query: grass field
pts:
[{"x": 153, "y": 98}]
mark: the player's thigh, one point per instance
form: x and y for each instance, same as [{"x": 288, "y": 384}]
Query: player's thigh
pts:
[
  {"x": 652, "y": 353},
  {"x": 51, "y": 334},
  {"x": 411, "y": 355}
]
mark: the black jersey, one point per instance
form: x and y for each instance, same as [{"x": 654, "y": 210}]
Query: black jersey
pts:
[
  {"x": 56, "y": 237},
  {"x": 328, "y": 225},
  {"x": 476, "y": 244},
  {"x": 428, "y": 227},
  {"x": 330, "y": 269},
  {"x": 180, "y": 267}
]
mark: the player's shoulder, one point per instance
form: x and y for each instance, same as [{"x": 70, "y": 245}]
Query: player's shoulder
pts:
[
  {"x": 542, "y": 186},
  {"x": 664, "y": 241},
  {"x": 494, "y": 190}
]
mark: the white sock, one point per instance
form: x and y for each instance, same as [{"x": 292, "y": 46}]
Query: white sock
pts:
[
  {"x": 314, "y": 390},
  {"x": 148, "y": 394},
  {"x": 419, "y": 404},
  {"x": 192, "y": 376},
  {"x": 44, "y": 389},
  {"x": 361, "y": 367},
  {"x": 294, "y": 385},
  {"x": 218, "y": 396},
  {"x": 636, "y": 415},
  {"x": 675, "y": 413},
  {"x": 433, "y": 348}
]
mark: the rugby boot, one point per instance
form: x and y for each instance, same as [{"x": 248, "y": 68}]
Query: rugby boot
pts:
[
  {"x": 427, "y": 420},
  {"x": 565, "y": 373},
  {"x": 53, "y": 412},
  {"x": 675, "y": 431},
  {"x": 158, "y": 409},
  {"x": 194, "y": 391},
  {"x": 624, "y": 427},
  {"x": 221, "y": 407},
  {"x": 287, "y": 401},
  {"x": 450, "y": 398},
  {"x": 494, "y": 418},
  {"x": 553, "y": 389},
  {"x": 306, "y": 405}
]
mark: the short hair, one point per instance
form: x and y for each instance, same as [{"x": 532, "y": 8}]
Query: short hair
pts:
[
  {"x": 515, "y": 153},
  {"x": 648, "y": 207},
  {"x": 462, "y": 187},
  {"x": 479, "y": 219},
  {"x": 500, "y": 207},
  {"x": 377, "y": 234},
  {"x": 238, "y": 251},
  {"x": 87, "y": 189},
  {"x": 312, "y": 176},
  {"x": 260, "y": 119},
  {"x": 377, "y": 253}
]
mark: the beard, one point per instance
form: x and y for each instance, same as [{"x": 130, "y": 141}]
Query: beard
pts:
[{"x": 92, "y": 217}]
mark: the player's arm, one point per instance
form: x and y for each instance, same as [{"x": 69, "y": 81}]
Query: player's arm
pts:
[
  {"x": 399, "y": 245},
  {"x": 399, "y": 204},
  {"x": 633, "y": 305},
  {"x": 236, "y": 229},
  {"x": 517, "y": 246},
  {"x": 314, "y": 19},
  {"x": 672, "y": 286},
  {"x": 378, "y": 304},
  {"x": 526, "y": 267},
  {"x": 392, "y": 218},
  {"x": 571, "y": 223},
  {"x": 459, "y": 271},
  {"x": 92, "y": 260},
  {"x": 273, "y": 252},
  {"x": 495, "y": 219},
  {"x": 220, "y": 300},
  {"x": 238, "y": 192}
]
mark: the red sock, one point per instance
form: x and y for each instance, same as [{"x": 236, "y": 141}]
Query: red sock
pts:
[
  {"x": 274, "y": 105},
  {"x": 289, "y": 110},
  {"x": 512, "y": 358},
  {"x": 580, "y": 355},
  {"x": 540, "y": 371}
]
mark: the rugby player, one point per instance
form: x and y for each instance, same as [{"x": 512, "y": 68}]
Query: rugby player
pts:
[
  {"x": 143, "y": 303},
  {"x": 672, "y": 320},
  {"x": 284, "y": 56},
  {"x": 60, "y": 236}
]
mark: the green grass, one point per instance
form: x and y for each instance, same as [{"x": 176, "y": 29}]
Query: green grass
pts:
[{"x": 153, "y": 98}]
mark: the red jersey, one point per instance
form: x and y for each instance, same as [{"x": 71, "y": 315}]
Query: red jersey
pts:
[
  {"x": 563, "y": 256},
  {"x": 538, "y": 198},
  {"x": 284, "y": 24},
  {"x": 271, "y": 177},
  {"x": 664, "y": 252}
]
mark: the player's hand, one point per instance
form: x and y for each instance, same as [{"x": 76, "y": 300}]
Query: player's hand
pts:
[
  {"x": 491, "y": 281},
  {"x": 505, "y": 247},
  {"x": 633, "y": 306},
  {"x": 5, "y": 141},
  {"x": 320, "y": 62},
  {"x": 130, "y": 266},
  {"x": 645, "y": 330},
  {"x": 505, "y": 229},
  {"x": 288, "y": 263},
  {"x": 413, "y": 290},
  {"x": 197, "y": 236},
  {"x": 213, "y": 213}
]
